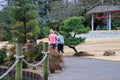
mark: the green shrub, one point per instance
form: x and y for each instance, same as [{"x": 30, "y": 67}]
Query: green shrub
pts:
[
  {"x": 34, "y": 52},
  {"x": 2, "y": 55},
  {"x": 55, "y": 59},
  {"x": 11, "y": 42},
  {"x": 46, "y": 31},
  {"x": 37, "y": 52}
]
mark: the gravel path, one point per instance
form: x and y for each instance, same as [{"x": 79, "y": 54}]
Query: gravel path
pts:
[{"x": 87, "y": 69}]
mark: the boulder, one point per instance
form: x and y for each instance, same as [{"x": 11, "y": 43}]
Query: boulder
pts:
[
  {"x": 83, "y": 53},
  {"x": 109, "y": 53}
]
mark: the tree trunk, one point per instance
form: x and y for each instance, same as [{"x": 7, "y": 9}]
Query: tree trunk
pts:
[
  {"x": 73, "y": 47},
  {"x": 25, "y": 35},
  {"x": 25, "y": 30}
]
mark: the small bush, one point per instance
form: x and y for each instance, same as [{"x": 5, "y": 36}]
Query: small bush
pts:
[
  {"x": 55, "y": 60},
  {"x": 11, "y": 42},
  {"x": 34, "y": 52},
  {"x": 2, "y": 55}
]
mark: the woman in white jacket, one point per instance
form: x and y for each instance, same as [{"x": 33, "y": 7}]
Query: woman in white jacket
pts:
[{"x": 60, "y": 42}]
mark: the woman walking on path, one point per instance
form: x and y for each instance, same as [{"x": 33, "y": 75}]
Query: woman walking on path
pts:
[
  {"x": 52, "y": 39},
  {"x": 60, "y": 42}
]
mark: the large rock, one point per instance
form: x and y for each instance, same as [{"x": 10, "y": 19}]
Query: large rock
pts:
[
  {"x": 83, "y": 53},
  {"x": 109, "y": 53}
]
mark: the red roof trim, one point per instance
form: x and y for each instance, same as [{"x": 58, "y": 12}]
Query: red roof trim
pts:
[
  {"x": 103, "y": 12},
  {"x": 103, "y": 17}
]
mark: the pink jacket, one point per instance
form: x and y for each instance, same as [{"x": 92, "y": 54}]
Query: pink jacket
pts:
[{"x": 52, "y": 38}]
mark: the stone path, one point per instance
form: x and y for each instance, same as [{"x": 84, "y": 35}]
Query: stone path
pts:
[{"x": 87, "y": 69}]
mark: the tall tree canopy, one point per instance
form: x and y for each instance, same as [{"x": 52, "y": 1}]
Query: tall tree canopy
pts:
[
  {"x": 5, "y": 21},
  {"x": 25, "y": 15}
]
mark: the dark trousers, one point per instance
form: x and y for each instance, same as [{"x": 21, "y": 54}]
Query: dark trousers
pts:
[
  {"x": 53, "y": 45},
  {"x": 60, "y": 48}
]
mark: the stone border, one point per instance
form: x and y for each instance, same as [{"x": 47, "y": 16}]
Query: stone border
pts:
[{"x": 25, "y": 73}]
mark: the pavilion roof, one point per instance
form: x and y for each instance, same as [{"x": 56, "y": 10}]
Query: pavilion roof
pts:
[{"x": 104, "y": 8}]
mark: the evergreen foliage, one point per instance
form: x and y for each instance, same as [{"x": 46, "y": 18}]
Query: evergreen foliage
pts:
[
  {"x": 2, "y": 55},
  {"x": 73, "y": 26},
  {"x": 5, "y": 21},
  {"x": 25, "y": 26},
  {"x": 116, "y": 23}
]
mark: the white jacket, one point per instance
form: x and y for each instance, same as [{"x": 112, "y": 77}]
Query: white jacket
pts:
[{"x": 60, "y": 39}]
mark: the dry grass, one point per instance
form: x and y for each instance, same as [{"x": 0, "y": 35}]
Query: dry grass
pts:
[{"x": 97, "y": 46}]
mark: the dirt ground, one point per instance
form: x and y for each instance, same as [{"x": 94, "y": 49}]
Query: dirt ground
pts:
[{"x": 97, "y": 47}]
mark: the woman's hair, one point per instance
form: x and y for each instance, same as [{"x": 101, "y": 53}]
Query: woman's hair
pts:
[
  {"x": 51, "y": 31},
  {"x": 60, "y": 32}
]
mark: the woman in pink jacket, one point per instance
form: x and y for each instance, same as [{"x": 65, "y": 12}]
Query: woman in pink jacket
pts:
[{"x": 52, "y": 39}]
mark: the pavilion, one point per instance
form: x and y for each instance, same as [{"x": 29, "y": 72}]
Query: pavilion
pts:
[{"x": 107, "y": 12}]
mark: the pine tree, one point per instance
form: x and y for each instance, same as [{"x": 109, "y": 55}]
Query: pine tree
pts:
[
  {"x": 73, "y": 26},
  {"x": 25, "y": 15}
]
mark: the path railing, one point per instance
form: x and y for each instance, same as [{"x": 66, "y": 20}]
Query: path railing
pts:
[{"x": 20, "y": 59}]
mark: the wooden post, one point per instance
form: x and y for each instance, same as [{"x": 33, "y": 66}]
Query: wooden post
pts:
[
  {"x": 46, "y": 62},
  {"x": 18, "y": 75}
]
